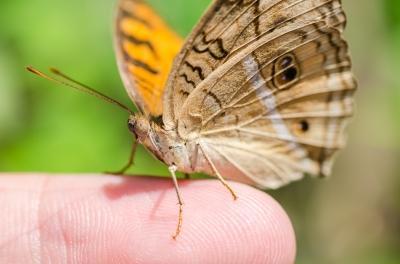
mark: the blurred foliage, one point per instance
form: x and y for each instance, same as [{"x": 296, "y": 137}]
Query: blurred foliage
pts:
[
  {"x": 352, "y": 218},
  {"x": 392, "y": 14}
]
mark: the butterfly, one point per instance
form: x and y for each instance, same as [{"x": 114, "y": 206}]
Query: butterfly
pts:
[{"x": 260, "y": 92}]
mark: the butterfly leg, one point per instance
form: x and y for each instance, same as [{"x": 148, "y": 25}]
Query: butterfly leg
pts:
[
  {"x": 172, "y": 170},
  {"x": 219, "y": 176},
  {"x": 130, "y": 162}
]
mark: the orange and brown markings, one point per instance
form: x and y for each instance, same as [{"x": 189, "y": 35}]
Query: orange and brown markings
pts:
[{"x": 147, "y": 47}]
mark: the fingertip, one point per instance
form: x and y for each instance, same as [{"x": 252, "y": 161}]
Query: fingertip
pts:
[
  {"x": 252, "y": 229},
  {"x": 216, "y": 228},
  {"x": 101, "y": 218}
]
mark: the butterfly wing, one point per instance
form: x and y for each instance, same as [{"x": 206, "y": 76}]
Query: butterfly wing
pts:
[
  {"x": 145, "y": 48},
  {"x": 270, "y": 88}
]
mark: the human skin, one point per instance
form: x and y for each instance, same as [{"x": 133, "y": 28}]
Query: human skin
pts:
[{"x": 110, "y": 219}]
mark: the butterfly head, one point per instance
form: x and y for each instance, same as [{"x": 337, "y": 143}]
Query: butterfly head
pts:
[
  {"x": 163, "y": 144},
  {"x": 139, "y": 126},
  {"x": 147, "y": 133}
]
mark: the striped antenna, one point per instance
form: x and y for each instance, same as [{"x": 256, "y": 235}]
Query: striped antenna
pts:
[{"x": 78, "y": 86}]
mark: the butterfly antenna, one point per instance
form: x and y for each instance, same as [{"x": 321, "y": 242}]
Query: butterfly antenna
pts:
[{"x": 78, "y": 86}]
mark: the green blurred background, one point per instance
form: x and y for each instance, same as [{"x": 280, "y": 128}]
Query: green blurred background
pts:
[{"x": 354, "y": 217}]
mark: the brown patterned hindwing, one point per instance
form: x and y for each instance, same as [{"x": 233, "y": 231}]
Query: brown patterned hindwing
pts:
[{"x": 266, "y": 88}]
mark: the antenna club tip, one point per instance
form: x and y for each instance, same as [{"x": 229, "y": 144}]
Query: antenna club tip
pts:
[
  {"x": 32, "y": 70},
  {"x": 54, "y": 70}
]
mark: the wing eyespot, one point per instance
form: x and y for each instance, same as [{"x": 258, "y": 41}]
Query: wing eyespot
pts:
[
  {"x": 286, "y": 61},
  {"x": 288, "y": 75},
  {"x": 304, "y": 126},
  {"x": 286, "y": 71}
]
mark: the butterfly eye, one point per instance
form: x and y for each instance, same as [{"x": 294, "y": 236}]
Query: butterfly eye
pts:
[
  {"x": 286, "y": 70},
  {"x": 131, "y": 125}
]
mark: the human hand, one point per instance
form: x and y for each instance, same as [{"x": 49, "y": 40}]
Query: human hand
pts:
[{"x": 111, "y": 219}]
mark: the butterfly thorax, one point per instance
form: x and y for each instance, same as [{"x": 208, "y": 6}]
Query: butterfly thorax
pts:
[{"x": 165, "y": 145}]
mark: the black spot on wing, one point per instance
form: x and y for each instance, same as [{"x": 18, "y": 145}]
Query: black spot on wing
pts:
[
  {"x": 214, "y": 97},
  {"x": 184, "y": 76},
  {"x": 196, "y": 69},
  {"x": 184, "y": 93},
  {"x": 130, "y": 15},
  {"x": 140, "y": 64},
  {"x": 139, "y": 42},
  {"x": 213, "y": 47}
]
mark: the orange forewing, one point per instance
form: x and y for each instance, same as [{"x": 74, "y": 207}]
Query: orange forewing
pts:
[{"x": 146, "y": 48}]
